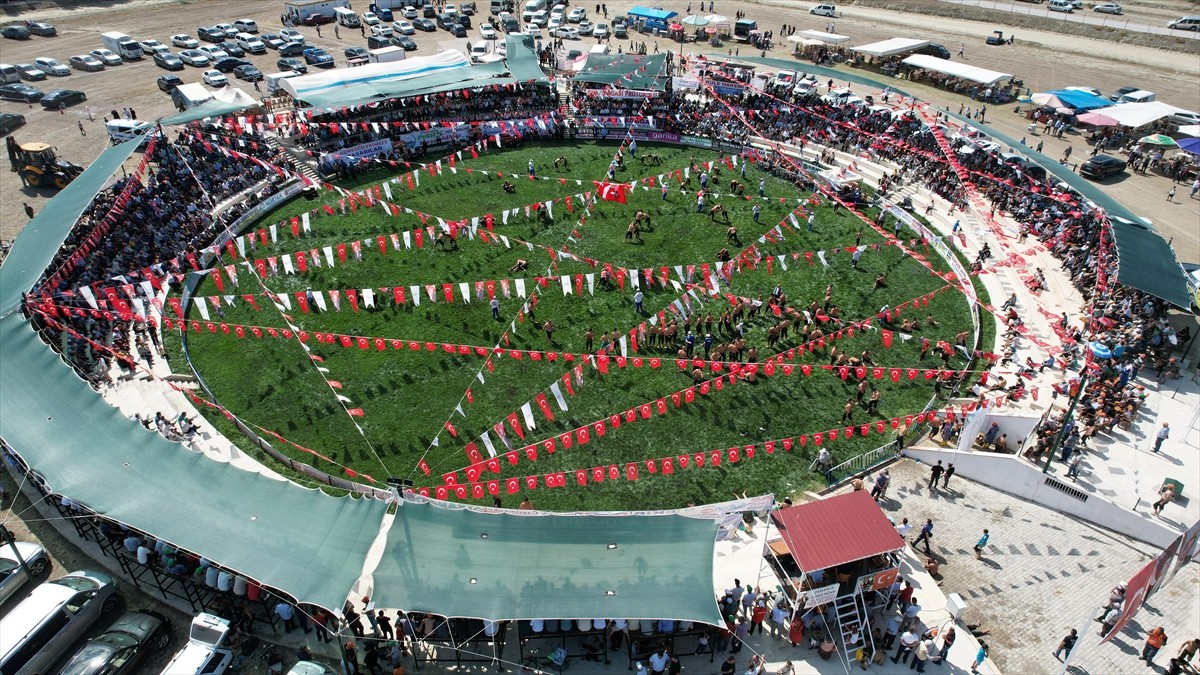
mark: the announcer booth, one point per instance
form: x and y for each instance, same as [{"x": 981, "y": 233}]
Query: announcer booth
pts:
[{"x": 835, "y": 559}]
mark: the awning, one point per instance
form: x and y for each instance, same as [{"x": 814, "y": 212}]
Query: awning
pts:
[
  {"x": 1147, "y": 263},
  {"x": 467, "y": 562},
  {"x": 651, "y": 13},
  {"x": 522, "y": 59},
  {"x": 835, "y": 531},
  {"x": 1138, "y": 114},
  {"x": 225, "y": 101},
  {"x": 628, "y": 70},
  {"x": 827, "y": 38},
  {"x": 891, "y": 47},
  {"x": 956, "y": 69},
  {"x": 1080, "y": 100}
]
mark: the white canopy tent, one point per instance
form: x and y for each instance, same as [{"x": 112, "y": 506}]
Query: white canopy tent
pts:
[
  {"x": 891, "y": 47},
  {"x": 1190, "y": 130},
  {"x": 325, "y": 81},
  {"x": 827, "y": 38},
  {"x": 955, "y": 69},
  {"x": 1138, "y": 114}
]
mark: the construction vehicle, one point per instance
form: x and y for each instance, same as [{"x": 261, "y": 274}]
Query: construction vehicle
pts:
[{"x": 40, "y": 166}]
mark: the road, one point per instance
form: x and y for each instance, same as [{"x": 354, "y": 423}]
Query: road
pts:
[{"x": 1122, "y": 21}]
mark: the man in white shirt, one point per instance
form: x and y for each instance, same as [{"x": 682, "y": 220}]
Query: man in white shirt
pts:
[
  {"x": 659, "y": 661},
  {"x": 903, "y": 529}
]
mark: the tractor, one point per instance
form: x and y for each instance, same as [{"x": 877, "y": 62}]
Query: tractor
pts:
[{"x": 40, "y": 167}]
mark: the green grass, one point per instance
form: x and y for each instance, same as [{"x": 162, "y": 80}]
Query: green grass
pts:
[{"x": 407, "y": 396}]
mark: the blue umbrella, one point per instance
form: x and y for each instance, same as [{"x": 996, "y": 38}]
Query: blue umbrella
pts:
[
  {"x": 1100, "y": 350},
  {"x": 1191, "y": 145}
]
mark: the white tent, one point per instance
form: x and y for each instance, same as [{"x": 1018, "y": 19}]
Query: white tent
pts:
[
  {"x": 1190, "y": 130},
  {"x": 891, "y": 47},
  {"x": 955, "y": 69},
  {"x": 828, "y": 38},
  {"x": 326, "y": 81},
  {"x": 1138, "y": 114}
]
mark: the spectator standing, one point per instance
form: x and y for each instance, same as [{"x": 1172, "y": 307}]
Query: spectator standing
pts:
[
  {"x": 1163, "y": 434},
  {"x": 935, "y": 474},
  {"x": 981, "y": 544},
  {"x": 980, "y": 656},
  {"x": 1067, "y": 644},
  {"x": 1155, "y": 640}
]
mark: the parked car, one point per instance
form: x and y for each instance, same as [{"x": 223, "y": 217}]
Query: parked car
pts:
[
  {"x": 409, "y": 12},
  {"x": 316, "y": 19},
  {"x": 232, "y": 48},
  {"x": 42, "y": 28},
  {"x": 8, "y": 123},
  {"x": 42, "y": 629},
  {"x": 369, "y": 19},
  {"x": 487, "y": 32},
  {"x": 292, "y": 35},
  {"x": 293, "y": 64},
  {"x": 60, "y": 98},
  {"x": 600, "y": 31},
  {"x": 214, "y": 78},
  {"x": 214, "y": 52},
  {"x": 195, "y": 57},
  {"x": 108, "y": 56},
  {"x": 184, "y": 40},
  {"x": 291, "y": 49},
  {"x": 51, "y": 66},
  {"x": 405, "y": 42},
  {"x": 210, "y": 34},
  {"x": 15, "y": 32},
  {"x": 168, "y": 82},
  {"x": 12, "y": 577},
  {"x": 404, "y": 27},
  {"x": 227, "y": 64},
  {"x": 576, "y": 15},
  {"x": 153, "y": 46},
  {"x": 585, "y": 27},
  {"x": 246, "y": 25},
  {"x": 168, "y": 61},
  {"x": 378, "y": 42},
  {"x": 85, "y": 62},
  {"x": 824, "y": 10},
  {"x": 1102, "y": 166},
  {"x": 429, "y": 12},
  {"x": 20, "y": 92},
  {"x": 566, "y": 32},
  {"x": 251, "y": 43},
  {"x": 30, "y": 72},
  {"x": 357, "y": 54},
  {"x": 273, "y": 41},
  {"x": 118, "y": 650},
  {"x": 1108, "y": 8},
  {"x": 227, "y": 28},
  {"x": 1185, "y": 117},
  {"x": 318, "y": 57},
  {"x": 384, "y": 14},
  {"x": 424, "y": 24},
  {"x": 936, "y": 50},
  {"x": 457, "y": 30},
  {"x": 248, "y": 73},
  {"x": 1127, "y": 89}
]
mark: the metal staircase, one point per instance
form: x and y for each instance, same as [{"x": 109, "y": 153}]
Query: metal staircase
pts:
[
  {"x": 304, "y": 163},
  {"x": 850, "y": 621}
]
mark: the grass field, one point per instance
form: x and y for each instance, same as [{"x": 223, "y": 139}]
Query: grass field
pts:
[{"x": 407, "y": 396}]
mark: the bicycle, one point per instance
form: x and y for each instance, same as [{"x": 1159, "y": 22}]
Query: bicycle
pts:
[{"x": 556, "y": 662}]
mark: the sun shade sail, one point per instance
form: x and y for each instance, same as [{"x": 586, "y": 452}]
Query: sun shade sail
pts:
[
  {"x": 626, "y": 71},
  {"x": 834, "y": 531},
  {"x": 532, "y": 565}
]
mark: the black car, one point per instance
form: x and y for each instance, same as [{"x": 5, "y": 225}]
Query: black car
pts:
[
  {"x": 936, "y": 50},
  {"x": 457, "y": 30},
  {"x": 227, "y": 64},
  {"x": 118, "y": 650},
  {"x": 464, "y": 20},
  {"x": 61, "y": 98},
  {"x": 291, "y": 49},
  {"x": 405, "y": 42},
  {"x": 1116, "y": 95},
  {"x": 232, "y": 48},
  {"x": 429, "y": 12},
  {"x": 1102, "y": 166},
  {"x": 248, "y": 73},
  {"x": 168, "y": 82},
  {"x": 292, "y": 64},
  {"x": 43, "y": 29},
  {"x": 210, "y": 34},
  {"x": 168, "y": 61},
  {"x": 15, "y": 32},
  {"x": 426, "y": 25},
  {"x": 376, "y": 42},
  {"x": 357, "y": 54},
  {"x": 9, "y": 122},
  {"x": 20, "y": 92}
]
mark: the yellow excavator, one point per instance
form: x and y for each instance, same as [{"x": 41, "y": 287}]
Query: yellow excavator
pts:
[{"x": 40, "y": 166}]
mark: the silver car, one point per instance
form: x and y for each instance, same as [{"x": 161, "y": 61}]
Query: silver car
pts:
[{"x": 12, "y": 577}]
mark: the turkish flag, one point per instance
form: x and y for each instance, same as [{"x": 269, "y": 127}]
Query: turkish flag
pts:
[
  {"x": 512, "y": 485},
  {"x": 668, "y": 466},
  {"x": 613, "y": 192},
  {"x": 473, "y": 453},
  {"x": 424, "y": 466},
  {"x": 614, "y": 472},
  {"x": 581, "y": 476},
  {"x": 450, "y": 478},
  {"x": 493, "y": 487},
  {"x": 651, "y": 466},
  {"x": 734, "y": 455},
  {"x": 548, "y": 445},
  {"x": 476, "y": 490},
  {"x": 512, "y": 457},
  {"x": 441, "y": 492},
  {"x": 460, "y": 491},
  {"x": 887, "y": 338},
  {"x": 544, "y": 406},
  {"x": 661, "y": 405},
  {"x": 631, "y": 471},
  {"x": 472, "y": 473},
  {"x": 531, "y": 452},
  {"x": 493, "y": 464},
  {"x": 598, "y": 474},
  {"x": 531, "y": 482}
]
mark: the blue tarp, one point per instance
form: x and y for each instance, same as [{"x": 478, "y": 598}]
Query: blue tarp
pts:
[
  {"x": 1081, "y": 101},
  {"x": 649, "y": 13}
]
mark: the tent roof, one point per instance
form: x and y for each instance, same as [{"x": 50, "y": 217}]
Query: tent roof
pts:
[
  {"x": 522, "y": 59},
  {"x": 535, "y": 565},
  {"x": 1138, "y": 114},
  {"x": 830, "y": 38},
  {"x": 1080, "y": 100},
  {"x": 837, "y": 530},
  {"x": 891, "y": 47},
  {"x": 1147, "y": 263},
  {"x": 629, "y": 70},
  {"x": 225, "y": 101},
  {"x": 651, "y": 13},
  {"x": 956, "y": 69}
]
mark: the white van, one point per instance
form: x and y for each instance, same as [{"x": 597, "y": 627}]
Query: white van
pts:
[
  {"x": 346, "y": 17},
  {"x": 40, "y": 630},
  {"x": 1061, "y": 6},
  {"x": 532, "y": 7},
  {"x": 206, "y": 652},
  {"x": 123, "y": 130},
  {"x": 1139, "y": 96},
  {"x": 478, "y": 51},
  {"x": 600, "y": 49}
]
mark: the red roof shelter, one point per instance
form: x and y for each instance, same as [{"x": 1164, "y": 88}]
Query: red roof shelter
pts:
[{"x": 836, "y": 531}]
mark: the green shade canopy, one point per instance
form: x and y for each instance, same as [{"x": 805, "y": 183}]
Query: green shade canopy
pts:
[
  {"x": 626, "y": 71},
  {"x": 530, "y": 565}
]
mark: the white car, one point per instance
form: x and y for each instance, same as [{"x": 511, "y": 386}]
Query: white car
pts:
[
  {"x": 553, "y": 24},
  {"x": 227, "y": 28},
  {"x": 51, "y": 66},
  {"x": 502, "y": 48},
  {"x": 1108, "y": 8},
  {"x": 184, "y": 40},
  {"x": 533, "y": 32},
  {"x": 1185, "y": 117},
  {"x": 107, "y": 56},
  {"x": 251, "y": 43},
  {"x": 214, "y": 52},
  {"x": 578, "y": 14},
  {"x": 585, "y": 27},
  {"x": 566, "y": 32},
  {"x": 842, "y": 97},
  {"x": 600, "y": 31},
  {"x": 409, "y": 12},
  {"x": 292, "y": 35},
  {"x": 785, "y": 78},
  {"x": 215, "y": 78},
  {"x": 404, "y": 27},
  {"x": 450, "y": 9},
  {"x": 369, "y": 18},
  {"x": 194, "y": 57},
  {"x": 487, "y": 32},
  {"x": 246, "y": 25},
  {"x": 824, "y": 10},
  {"x": 153, "y": 47}
]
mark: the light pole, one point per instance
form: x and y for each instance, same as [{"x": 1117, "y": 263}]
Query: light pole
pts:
[{"x": 1083, "y": 380}]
